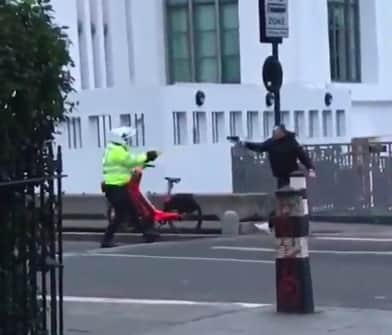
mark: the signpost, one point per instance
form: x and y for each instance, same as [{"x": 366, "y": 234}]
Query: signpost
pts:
[
  {"x": 277, "y": 19},
  {"x": 274, "y": 26}
]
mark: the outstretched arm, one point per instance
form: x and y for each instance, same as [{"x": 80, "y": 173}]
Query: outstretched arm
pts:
[
  {"x": 135, "y": 160},
  {"x": 259, "y": 147}
]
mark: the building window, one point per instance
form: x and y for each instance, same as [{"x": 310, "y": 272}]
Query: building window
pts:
[
  {"x": 235, "y": 123},
  {"x": 344, "y": 40},
  {"x": 340, "y": 123},
  {"x": 218, "y": 126},
  {"x": 203, "y": 41},
  {"x": 128, "y": 20},
  {"x": 180, "y": 128},
  {"x": 108, "y": 49},
  {"x": 140, "y": 138},
  {"x": 100, "y": 126},
  {"x": 299, "y": 123},
  {"x": 268, "y": 123},
  {"x": 199, "y": 127},
  {"x": 84, "y": 64},
  {"x": 74, "y": 132},
  {"x": 314, "y": 123},
  {"x": 327, "y": 123},
  {"x": 253, "y": 125},
  {"x": 137, "y": 121},
  {"x": 285, "y": 118}
]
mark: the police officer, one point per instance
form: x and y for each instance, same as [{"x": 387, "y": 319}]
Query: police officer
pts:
[
  {"x": 284, "y": 152},
  {"x": 118, "y": 164}
]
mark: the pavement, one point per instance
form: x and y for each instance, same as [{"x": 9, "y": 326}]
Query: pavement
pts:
[{"x": 224, "y": 285}]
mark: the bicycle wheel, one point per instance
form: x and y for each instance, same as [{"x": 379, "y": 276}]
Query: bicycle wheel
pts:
[{"x": 187, "y": 207}]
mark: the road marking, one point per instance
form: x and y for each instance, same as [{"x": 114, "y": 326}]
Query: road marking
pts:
[
  {"x": 125, "y": 301},
  {"x": 71, "y": 254},
  {"x": 178, "y": 258},
  {"x": 81, "y": 233},
  {"x": 332, "y": 252},
  {"x": 356, "y": 239},
  {"x": 380, "y": 297},
  {"x": 203, "y": 238}
]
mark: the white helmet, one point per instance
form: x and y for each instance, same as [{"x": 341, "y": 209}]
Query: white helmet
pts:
[{"x": 122, "y": 135}]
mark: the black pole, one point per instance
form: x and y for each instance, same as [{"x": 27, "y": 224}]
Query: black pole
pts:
[{"x": 277, "y": 114}]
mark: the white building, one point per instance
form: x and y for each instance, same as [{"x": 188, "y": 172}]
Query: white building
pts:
[{"x": 142, "y": 62}]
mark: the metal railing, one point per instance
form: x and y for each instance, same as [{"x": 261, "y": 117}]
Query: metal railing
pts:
[
  {"x": 31, "y": 264},
  {"x": 347, "y": 181}
]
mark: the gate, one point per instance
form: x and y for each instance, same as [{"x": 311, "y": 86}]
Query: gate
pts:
[
  {"x": 31, "y": 272},
  {"x": 350, "y": 180}
]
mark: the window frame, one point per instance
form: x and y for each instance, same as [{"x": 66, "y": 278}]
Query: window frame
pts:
[
  {"x": 189, "y": 5},
  {"x": 346, "y": 6}
]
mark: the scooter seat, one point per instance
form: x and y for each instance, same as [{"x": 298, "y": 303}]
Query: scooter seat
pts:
[{"x": 173, "y": 180}]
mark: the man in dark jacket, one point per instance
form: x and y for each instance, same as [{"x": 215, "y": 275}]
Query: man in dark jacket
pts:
[{"x": 283, "y": 152}]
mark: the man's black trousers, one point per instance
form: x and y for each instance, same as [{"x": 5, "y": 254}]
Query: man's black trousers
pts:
[{"x": 283, "y": 181}]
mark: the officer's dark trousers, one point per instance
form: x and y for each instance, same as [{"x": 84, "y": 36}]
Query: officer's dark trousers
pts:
[{"x": 125, "y": 210}]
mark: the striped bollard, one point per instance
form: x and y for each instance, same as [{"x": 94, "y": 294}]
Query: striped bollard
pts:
[
  {"x": 298, "y": 182},
  {"x": 293, "y": 276}
]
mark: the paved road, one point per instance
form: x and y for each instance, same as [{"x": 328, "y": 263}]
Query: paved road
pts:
[
  {"x": 207, "y": 276},
  {"x": 345, "y": 273}
]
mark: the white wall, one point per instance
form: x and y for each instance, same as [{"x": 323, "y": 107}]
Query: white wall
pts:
[
  {"x": 66, "y": 15},
  {"x": 384, "y": 27},
  {"x": 305, "y": 54},
  {"x": 363, "y": 124},
  {"x": 148, "y": 32},
  {"x": 136, "y": 33},
  {"x": 204, "y": 167}
]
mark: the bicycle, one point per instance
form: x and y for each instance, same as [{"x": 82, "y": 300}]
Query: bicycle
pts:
[
  {"x": 183, "y": 203},
  {"x": 176, "y": 207}
]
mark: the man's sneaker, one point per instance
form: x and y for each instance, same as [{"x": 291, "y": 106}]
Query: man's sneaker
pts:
[{"x": 263, "y": 227}]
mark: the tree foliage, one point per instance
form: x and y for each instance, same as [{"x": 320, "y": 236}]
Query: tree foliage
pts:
[
  {"x": 35, "y": 83},
  {"x": 35, "y": 78}
]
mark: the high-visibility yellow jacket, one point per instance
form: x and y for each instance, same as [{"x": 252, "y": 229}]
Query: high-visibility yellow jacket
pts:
[{"x": 118, "y": 163}]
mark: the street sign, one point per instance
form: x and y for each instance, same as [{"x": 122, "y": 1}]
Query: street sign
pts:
[{"x": 274, "y": 20}]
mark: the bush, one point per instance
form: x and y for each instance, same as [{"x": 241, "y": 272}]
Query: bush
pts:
[
  {"x": 35, "y": 77},
  {"x": 35, "y": 82}
]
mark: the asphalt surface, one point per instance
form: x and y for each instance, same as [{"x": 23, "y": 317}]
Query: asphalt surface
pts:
[{"x": 346, "y": 273}]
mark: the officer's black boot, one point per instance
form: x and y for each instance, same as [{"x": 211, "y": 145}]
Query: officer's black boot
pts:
[
  {"x": 150, "y": 233},
  {"x": 107, "y": 240}
]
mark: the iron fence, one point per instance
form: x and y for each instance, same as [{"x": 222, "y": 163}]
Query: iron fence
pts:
[
  {"x": 31, "y": 264},
  {"x": 348, "y": 180}
]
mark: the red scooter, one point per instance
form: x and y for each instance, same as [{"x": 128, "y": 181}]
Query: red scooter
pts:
[{"x": 148, "y": 214}]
